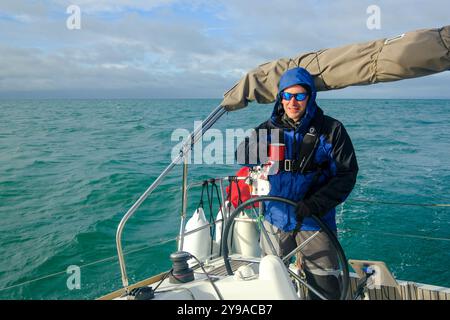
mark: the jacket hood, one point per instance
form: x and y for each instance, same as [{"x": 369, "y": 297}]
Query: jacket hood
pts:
[{"x": 292, "y": 77}]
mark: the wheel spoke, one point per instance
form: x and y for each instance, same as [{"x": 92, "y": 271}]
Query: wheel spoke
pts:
[
  {"x": 300, "y": 247},
  {"x": 297, "y": 277},
  {"x": 323, "y": 228}
]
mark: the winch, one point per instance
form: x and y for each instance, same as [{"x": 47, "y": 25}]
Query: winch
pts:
[{"x": 258, "y": 178}]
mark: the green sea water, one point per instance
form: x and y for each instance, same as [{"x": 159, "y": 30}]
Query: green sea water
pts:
[{"x": 70, "y": 169}]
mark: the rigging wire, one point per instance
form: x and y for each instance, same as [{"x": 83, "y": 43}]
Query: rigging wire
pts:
[
  {"x": 400, "y": 203},
  {"x": 86, "y": 265},
  {"x": 201, "y": 203},
  {"x": 395, "y": 234}
]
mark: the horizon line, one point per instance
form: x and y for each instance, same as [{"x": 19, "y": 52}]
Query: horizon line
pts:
[{"x": 122, "y": 98}]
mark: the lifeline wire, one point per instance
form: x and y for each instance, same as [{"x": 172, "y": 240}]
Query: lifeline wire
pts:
[
  {"x": 347, "y": 229},
  {"x": 401, "y": 203},
  {"x": 85, "y": 265}
]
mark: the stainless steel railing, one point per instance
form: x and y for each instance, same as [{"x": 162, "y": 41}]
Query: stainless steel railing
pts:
[{"x": 184, "y": 153}]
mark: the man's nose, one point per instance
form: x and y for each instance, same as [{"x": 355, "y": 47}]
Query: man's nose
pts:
[{"x": 292, "y": 100}]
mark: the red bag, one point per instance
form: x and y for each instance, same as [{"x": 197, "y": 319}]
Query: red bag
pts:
[{"x": 244, "y": 190}]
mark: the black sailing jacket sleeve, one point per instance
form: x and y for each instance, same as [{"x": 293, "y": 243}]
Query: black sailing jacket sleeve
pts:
[{"x": 339, "y": 186}]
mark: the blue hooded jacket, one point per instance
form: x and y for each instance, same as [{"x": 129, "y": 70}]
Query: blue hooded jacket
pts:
[{"x": 319, "y": 190}]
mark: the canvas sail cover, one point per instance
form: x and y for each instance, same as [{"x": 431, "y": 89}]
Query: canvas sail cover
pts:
[{"x": 410, "y": 55}]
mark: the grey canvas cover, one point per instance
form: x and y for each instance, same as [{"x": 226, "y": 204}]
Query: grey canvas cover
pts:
[{"x": 412, "y": 54}]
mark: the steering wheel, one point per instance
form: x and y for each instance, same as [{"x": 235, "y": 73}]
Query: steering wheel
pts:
[{"x": 323, "y": 227}]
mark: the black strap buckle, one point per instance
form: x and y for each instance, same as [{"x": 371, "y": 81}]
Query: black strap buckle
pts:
[{"x": 287, "y": 165}]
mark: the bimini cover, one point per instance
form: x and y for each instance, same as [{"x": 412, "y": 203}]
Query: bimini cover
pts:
[{"x": 410, "y": 55}]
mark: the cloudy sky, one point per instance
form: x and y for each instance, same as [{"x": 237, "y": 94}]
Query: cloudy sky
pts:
[{"x": 190, "y": 49}]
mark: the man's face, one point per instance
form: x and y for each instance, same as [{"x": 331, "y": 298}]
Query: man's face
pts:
[{"x": 295, "y": 109}]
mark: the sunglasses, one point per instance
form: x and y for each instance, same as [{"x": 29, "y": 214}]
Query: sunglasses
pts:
[{"x": 297, "y": 96}]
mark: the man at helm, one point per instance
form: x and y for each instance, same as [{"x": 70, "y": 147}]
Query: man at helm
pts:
[{"x": 318, "y": 171}]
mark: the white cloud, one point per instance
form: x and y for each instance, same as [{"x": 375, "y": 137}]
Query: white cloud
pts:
[
  {"x": 207, "y": 44},
  {"x": 95, "y": 6}
]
